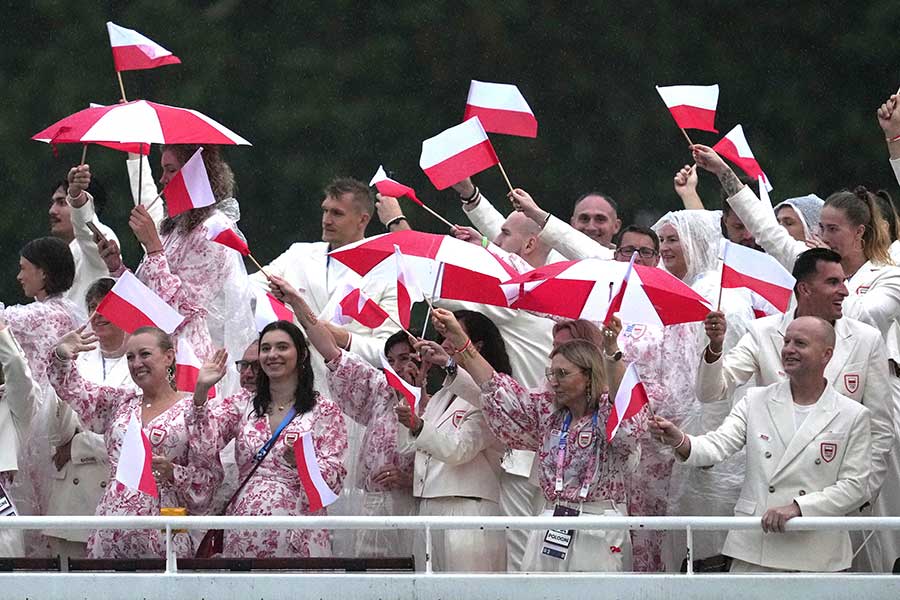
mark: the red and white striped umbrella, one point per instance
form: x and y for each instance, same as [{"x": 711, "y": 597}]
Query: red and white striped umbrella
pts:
[
  {"x": 121, "y": 126},
  {"x": 582, "y": 289},
  {"x": 470, "y": 272}
]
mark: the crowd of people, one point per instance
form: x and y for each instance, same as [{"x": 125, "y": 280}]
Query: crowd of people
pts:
[{"x": 790, "y": 414}]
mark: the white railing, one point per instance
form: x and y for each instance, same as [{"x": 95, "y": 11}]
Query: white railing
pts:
[{"x": 687, "y": 524}]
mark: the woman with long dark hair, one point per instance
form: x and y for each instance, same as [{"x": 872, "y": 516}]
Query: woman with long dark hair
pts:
[{"x": 271, "y": 485}]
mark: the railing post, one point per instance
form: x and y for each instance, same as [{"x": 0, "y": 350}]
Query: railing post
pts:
[
  {"x": 690, "y": 550},
  {"x": 428, "y": 549},
  {"x": 171, "y": 559}
]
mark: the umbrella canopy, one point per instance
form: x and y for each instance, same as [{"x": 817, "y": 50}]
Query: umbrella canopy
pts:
[
  {"x": 121, "y": 126},
  {"x": 582, "y": 289},
  {"x": 470, "y": 272}
]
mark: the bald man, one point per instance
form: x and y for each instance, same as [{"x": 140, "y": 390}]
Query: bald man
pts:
[{"x": 808, "y": 454}]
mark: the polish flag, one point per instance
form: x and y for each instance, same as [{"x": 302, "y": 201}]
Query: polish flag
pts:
[
  {"x": 130, "y": 304},
  {"x": 190, "y": 187},
  {"x": 630, "y": 399},
  {"x": 187, "y": 369},
  {"x": 502, "y": 109},
  {"x": 135, "y": 468},
  {"x": 220, "y": 229},
  {"x": 356, "y": 306},
  {"x": 270, "y": 309},
  {"x": 457, "y": 153},
  {"x": 388, "y": 187},
  {"x": 318, "y": 493},
  {"x": 411, "y": 394},
  {"x": 744, "y": 267},
  {"x": 735, "y": 148},
  {"x": 692, "y": 106},
  {"x": 408, "y": 290},
  {"x": 133, "y": 51},
  {"x": 615, "y": 303}
]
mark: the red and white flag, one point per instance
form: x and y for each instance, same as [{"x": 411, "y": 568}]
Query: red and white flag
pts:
[
  {"x": 356, "y": 306},
  {"x": 408, "y": 290},
  {"x": 133, "y": 51},
  {"x": 270, "y": 309},
  {"x": 615, "y": 303},
  {"x": 135, "y": 468},
  {"x": 220, "y": 229},
  {"x": 388, "y": 187},
  {"x": 410, "y": 393},
  {"x": 692, "y": 106},
  {"x": 757, "y": 271},
  {"x": 735, "y": 148},
  {"x": 190, "y": 187},
  {"x": 630, "y": 399},
  {"x": 318, "y": 493},
  {"x": 457, "y": 153},
  {"x": 187, "y": 368},
  {"x": 502, "y": 109},
  {"x": 130, "y": 304}
]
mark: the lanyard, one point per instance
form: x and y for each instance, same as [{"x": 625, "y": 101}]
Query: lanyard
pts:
[
  {"x": 268, "y": 445},
  {"x": 561, "y": 456}
]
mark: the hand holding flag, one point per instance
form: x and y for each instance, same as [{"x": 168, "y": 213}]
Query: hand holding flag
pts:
[
  {"x": 318, "y": 493},
  {"x": 388, "y": 187},
  {"x": 735, "y": 148},
  {"x": 630, "y": 399},
  {"x": 134, "y": 468}
]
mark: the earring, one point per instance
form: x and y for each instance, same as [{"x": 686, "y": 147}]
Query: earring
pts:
[{"x": 170, "y": 376}]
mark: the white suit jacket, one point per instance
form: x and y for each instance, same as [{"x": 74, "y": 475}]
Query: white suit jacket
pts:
[
  {"x": 823, "y": 467},
  {"x": 456, "y": 453},
  {"x": 18, "y": 400},
  {"x": 89, "y": 267},
  {"x": 858, "y": 370},
  {"x": 307, "y": 267}
]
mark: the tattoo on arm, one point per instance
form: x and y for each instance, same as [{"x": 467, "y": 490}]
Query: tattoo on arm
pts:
[{"x": 730, "y": 182}]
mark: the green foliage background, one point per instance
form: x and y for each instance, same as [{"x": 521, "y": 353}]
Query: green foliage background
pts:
[{"x": 335, "y": 88}]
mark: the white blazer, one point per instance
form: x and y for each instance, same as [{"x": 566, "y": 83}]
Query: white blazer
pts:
[
  {"x": 824, "y": 467},
  {"x": 89, "y": 267},
  {"x": 18, "y": 400},
  {"x": 858, "y": 370},
  {"x": 456, "y": 453}
]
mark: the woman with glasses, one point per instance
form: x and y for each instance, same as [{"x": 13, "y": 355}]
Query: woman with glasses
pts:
[{"x": 579, "y": 471}]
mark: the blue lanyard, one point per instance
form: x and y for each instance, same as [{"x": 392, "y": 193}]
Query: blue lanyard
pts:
[
  {"x": 561, "y": 454},
  {"x": 268, "y": 445}
]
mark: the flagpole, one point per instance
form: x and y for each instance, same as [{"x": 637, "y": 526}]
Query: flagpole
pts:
[
  {"x": 259, "y": 266},
  {"x": 83, "y": 154},
  {"x": 437, "y": 281},
  {"x": 121, "y": 85},
  {"x": 686, "y": 136},
  {"x": 438, "y": 217},
  {"x": 722, "y": 277},
  {"x": 499, "y": 164}
]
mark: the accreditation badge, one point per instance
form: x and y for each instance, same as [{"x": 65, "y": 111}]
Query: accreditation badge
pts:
[{"x": 557, "y": 542}]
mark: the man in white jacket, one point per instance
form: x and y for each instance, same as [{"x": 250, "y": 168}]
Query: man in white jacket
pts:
[{"x": 808, "y": 451}]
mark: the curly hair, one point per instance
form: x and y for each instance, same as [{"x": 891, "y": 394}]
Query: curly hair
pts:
[{"x": 221, "y": 179}]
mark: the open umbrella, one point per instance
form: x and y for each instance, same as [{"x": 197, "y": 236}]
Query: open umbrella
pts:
[
  {"x": 470, "y": 272},
  {"x": 582, "y": 289}
]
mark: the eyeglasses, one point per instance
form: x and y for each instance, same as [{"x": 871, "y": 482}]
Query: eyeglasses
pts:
[
  {"x": 558, "y": 374},
  {"x": 644, "y": 251},
  {"x": 242, "y": 365}
]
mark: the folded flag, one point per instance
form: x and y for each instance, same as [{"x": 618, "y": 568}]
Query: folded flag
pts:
[
  {"x": 220, "y": 229},
  {"x": 190, "y": 187},
  {"x": 135, "y": 467},
  {"x": 318, "y": 493},
  {"x": 130, "y": 304},
  {"x": 410, "y": 393},
  {"x": 502, "y": 109},
  {"x": 457, "y": 153},
  {"x": 757, "y": 271},
  {"x": 388, "y": 187},
  {"x": 735, "y": 148},
  {"x": 7, "y": 506},
  {"x": 356, "y": 306},
  {"x": 270, "y": 309},
  {"x": 615, "y": 303},
  {"x": 133, "y": 51},
  {"x": 408, "y": 290},
  {"x": 187, "y": 368},
  {"x": 692, "y": 106},
  {"x": 630, "y": 399}
]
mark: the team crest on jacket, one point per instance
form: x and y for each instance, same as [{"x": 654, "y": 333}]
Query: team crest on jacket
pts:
[
  {"x": 862, "y": 290},
  {"x": 828, "y": 450},
  {"x": 157, "y": 435},
  {"x": 851, "y": 382},
  {"x": 585, "y": 438},
  {"x": 458, "y": 418},
  {"x": 635, "y": 330},
  {"x": 291, "y": 438}
]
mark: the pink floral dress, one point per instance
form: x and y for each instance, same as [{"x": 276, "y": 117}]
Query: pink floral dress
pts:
[
  {"x": 275, "y": 488},
  {"x": 109, "y": 410}
]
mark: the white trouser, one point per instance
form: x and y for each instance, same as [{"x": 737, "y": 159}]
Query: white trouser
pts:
[
  {"x": 455, "y": 550},
  {"x": 386, "y": 542},
  {"x": 518, "y": 498}
]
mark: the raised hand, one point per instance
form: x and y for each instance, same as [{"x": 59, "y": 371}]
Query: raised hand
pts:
[
  {"x": 447, "y": 325},
  {"x": 406, "y": 417},
  {"x": 212, "y": 371},
  {"x": 467, "y": 234},
  {"x": 144, "y": 229},
  {"x": 707, "y": 159},
  {"x": 110, "y": 254},
  {"x": 284, "y": 291},
  {"x": 432, "y": 352},
  {"x": 889, "y": 117},
  {"x": 388, "y": 208},
  {"x": 75, "y": 342},
  {"x": 79, "y": 179},
  {"x": 715, "y": 326}
]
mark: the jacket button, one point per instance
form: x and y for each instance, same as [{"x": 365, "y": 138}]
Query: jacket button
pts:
[
  {"x": 103, "y": 484},
  {"x": 768, "y": 455},
  {"x": 818, "y": 461},
  {"x": 802, "y": 492},
  {"x": 771, "y": 489},
  {"x": 75, "y": 481}
]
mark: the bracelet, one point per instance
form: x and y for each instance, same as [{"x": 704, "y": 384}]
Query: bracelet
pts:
[
  {"x": 713, "y": 352},
  {"x": 681, "y": 443},
  {"x": 349, "y": 341},
  {"x": 152, "y": 252},
  {"x": 464, "y": 346},
  {"x": 484, "y": 241},
  {"x": 59, "y": 357},
  {"x": 70, "y": 199},
  {"x": 394, "y": 221},
  {"x": 471, "y": 198}
]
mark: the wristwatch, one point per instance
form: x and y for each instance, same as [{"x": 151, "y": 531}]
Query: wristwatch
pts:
[
  {"x": 613, "y": 358},
  {"x": 450, "y": 367}
]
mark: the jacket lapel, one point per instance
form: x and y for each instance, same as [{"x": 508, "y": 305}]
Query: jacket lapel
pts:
[
  {"x": 781, "y": 414},
  {"x": 822, "y": 414},
  {"x": 843, "y": 350}
]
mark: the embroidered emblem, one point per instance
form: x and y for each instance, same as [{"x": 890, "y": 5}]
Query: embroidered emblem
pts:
[
  {"x": 862, "y": 290},
  {"x": 458, "y": 418},
  {"x": 851, "y": 382},
  {"x": 585, "y": 438},
  {"x": 157, "y": 435},
  {"x": 828, "y": 450},
  {"x": 615, "y": 549},
  {"x": 635, "y": 330},
  {"x": 291, "y": 438}
]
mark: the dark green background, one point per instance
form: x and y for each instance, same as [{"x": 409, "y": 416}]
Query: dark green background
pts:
[{"x": 335, "y": 88}]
